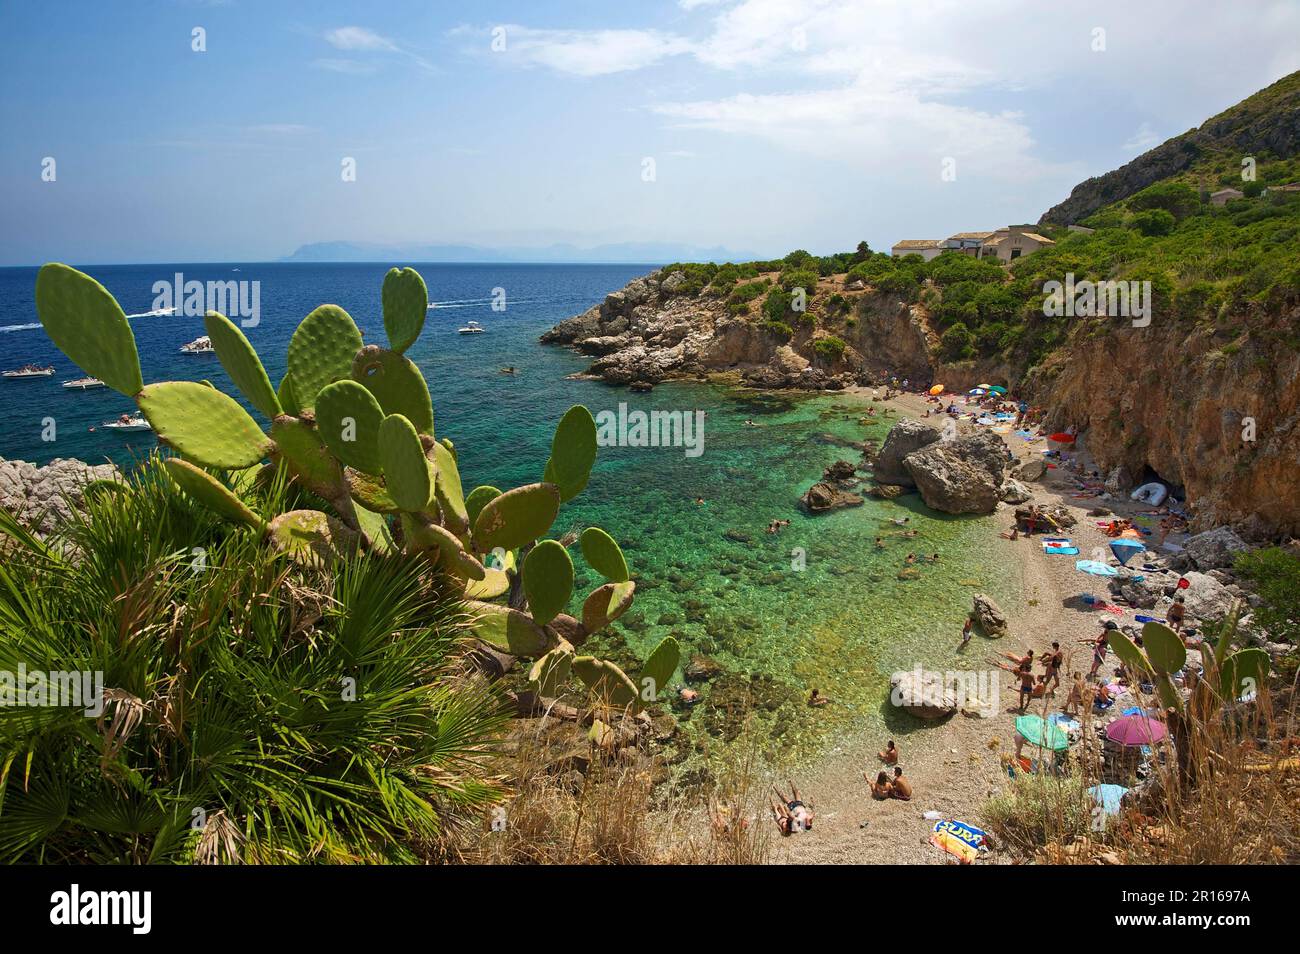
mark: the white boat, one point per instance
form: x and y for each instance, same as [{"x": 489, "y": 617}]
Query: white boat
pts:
[
  {"x": 128, "y": 422},
  {"x": 30, "y": 371},
  {"x": 201, "y": 345},
  {"x": 83, "y": 384},
  {"x": 471, "y": 328}
]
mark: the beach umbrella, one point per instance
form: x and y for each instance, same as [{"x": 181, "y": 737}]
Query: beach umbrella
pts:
[
  {"x": 1063, "y": 722},
  {"x": 1108, "y": 797},
  {"x": 984, "y": 386},
  {"x": 975, "y": 391},
  {"x": 1033, "y": 729},
  {"x": 1126, "y": 550},
  {"x": 998, "y": 389},
  {"x": 937, "y": 389},
  {"x": 1061, "y": 437},
  {"x": 1135, "y": 730}
]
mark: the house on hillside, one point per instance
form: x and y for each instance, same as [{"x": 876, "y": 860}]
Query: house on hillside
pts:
[
  {"x": 968, "y": 243},
  {"x": 1012, "y": 242},
  {"x": 926, "y": 248},
  {"x": 1224, "y": 196}
]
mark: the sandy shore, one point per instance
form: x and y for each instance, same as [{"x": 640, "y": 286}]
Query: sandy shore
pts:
[{"x": 954, "y": 766}]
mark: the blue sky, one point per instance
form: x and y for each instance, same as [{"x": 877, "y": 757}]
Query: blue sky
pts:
[{"x": 773, "y": 124}]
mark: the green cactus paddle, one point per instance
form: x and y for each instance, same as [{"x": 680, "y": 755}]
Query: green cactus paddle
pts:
[
  {"x": 396, "y": 383},
  {"x": 348, "y": 418},
  {"x": 88, "y": 325},
  {"x": 406, "y": 470},
  {"x": 321, "y": 352},
  {"x": 517, "y": 517},
  {"x": 406, "y": 303},
  {"x": 573, "y": 452},
  {"x": 241, "y": 363},
  {"x": 204, "y": 425},
  {"x": 210, "y": 492},
  {"x": 548, "y": 580},
  {"x": 603, "y": 555}
]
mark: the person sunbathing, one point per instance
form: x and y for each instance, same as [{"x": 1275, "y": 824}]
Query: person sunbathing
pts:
[
  {"x": 902, "y": 788},
  {"x": 881, "y": 788},
  {"x": 799, "y": 816},
  {"x": 890, "y": 754},
  {"x": 817, "y": 700}
]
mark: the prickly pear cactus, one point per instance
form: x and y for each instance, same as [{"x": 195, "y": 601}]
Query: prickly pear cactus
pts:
[{"x": 353, "y": 424}]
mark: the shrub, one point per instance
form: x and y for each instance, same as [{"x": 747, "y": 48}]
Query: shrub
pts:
[
  {"x": 780, "y": 329},
  {"x": 830, "y": 347},
  {"x": 1153, "y": 222},
  {"x": 777, "y": 305},
  {"x": 957, "y": 343},
  {"x": 1275, "y": 575}
]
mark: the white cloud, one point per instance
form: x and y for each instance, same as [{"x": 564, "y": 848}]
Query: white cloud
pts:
[
  {"x": 1143, "y": 139},
  {"x": 359, "y": 38},
  {"x": 582, "y": 52},
  {"x": 338, "y": 65}
]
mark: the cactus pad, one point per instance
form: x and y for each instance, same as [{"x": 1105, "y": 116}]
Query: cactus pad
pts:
[
  {"x": 549, "y": 674},
  {"x": 606, "y": 681},
  {"x": 406, "y": 303},
  {"x": 1164, "y": 647},
  {"x": 517, "y": 517},
  {"x": 348, "y": 419},
  {"x": 203, "y": 424},
  {"x": 301, "y": 448},
  {"x": 406, "y": 469},
  {"x": 573, "y": 452},
  {"x": 375, "y": 528},
  {"x": 548, "y": 580},
  {"x": 396, "y": 383},
  {"x": 241, "y": 363},
  {"x": 1127, "y": 651},
  {"x": 88, "y": 325},
  {"x": 477, "y": 500},
  {"x": 370, "y": 492},
  {"x": 424, "y": 534},
  {"x": 509, "y": 630},
  {"x": 606, "y": 604},
  {"x": 321, "y": 352},
  {"x": 603, "y": 555},
  {"x": 310, "y": 537},
  {"x": 658, "y": 669},
  {"x": 1242, "y": 672},
  {"x": 210, "y": 492},
  {"x": 284, "y": 394},
  {"x": 494, "y": 584},
  {"x": 447, "y": 489}
]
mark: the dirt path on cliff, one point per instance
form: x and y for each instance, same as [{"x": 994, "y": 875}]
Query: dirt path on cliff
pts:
[{"x": 954, "y": 766}]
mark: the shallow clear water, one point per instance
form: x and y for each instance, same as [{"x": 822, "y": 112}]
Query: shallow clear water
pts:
[{"x": 842, "y": 623}]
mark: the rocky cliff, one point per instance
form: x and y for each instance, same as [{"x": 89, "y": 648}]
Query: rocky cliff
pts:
[
  {"x": 1265, "y": 124},
  {"x": 650, "y": 331}
]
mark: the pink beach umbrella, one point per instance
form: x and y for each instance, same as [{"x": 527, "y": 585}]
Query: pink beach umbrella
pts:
[{"x": 1135, "y": 730}]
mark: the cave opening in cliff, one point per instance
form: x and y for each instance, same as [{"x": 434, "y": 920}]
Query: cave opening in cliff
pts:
[{"x": 1151, "y": 475}]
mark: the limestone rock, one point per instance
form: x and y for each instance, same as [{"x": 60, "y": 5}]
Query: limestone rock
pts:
[
  {"x": 1205, "y": 597},
  {"x": 1032, "y": 469},
  {"x": 960, "y": 476},
  {"x": 904, "y": 438},
  {"x": 43, "y": 497},
  {"x": 822, "y": 497},
  {"x": 987, "y": 615},
  {"x": 1014, "y": 492},
  {"x": 1214, "y": 549},
  {"x": 923, "y": 694}
]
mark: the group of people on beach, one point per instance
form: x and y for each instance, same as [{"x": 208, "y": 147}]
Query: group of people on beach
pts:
[{"x": 884, "y": 786}]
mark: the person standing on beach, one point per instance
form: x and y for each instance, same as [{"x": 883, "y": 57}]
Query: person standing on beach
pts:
[
  {"x": 1026, "y": 674},
  {"x": 1099, "y": 647},
  {"x": 1053, "y": 662},
  {"x": 967, "y": 629}
]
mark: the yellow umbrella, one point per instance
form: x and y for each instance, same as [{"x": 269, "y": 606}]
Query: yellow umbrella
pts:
[
  {"x": 984, "y": 386},
  {"x": 937, "y": 389}
]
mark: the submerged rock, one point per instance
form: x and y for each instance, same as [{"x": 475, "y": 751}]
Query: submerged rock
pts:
[{"x": 822, "y": 497}]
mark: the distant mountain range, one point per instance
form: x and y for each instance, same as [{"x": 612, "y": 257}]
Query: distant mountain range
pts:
[{"x": 640, "y": 253}]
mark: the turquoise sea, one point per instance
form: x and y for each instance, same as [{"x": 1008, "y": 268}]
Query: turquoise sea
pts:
[{"x": 817, "y": 604}]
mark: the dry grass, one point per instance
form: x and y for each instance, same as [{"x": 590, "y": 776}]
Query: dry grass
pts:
[
  {"x": 581, "y": 803},
  {"x": 1236, "y": 801}
]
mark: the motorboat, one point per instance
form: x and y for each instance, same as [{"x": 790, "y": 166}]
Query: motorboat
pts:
[
  {"x": 30, "y": 371},
  {"x": 201, "y": 345},
  {"x": 471, "y": 328},
  {"x": 128, "y": 422},
  {"x": 83, "y": 384}
]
